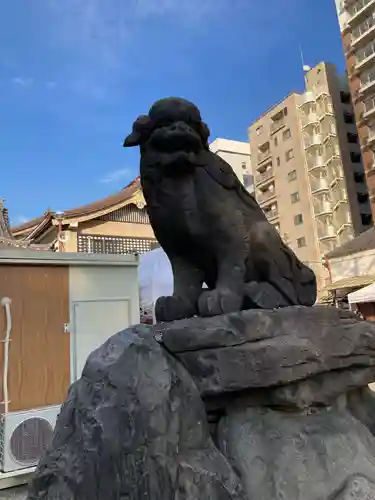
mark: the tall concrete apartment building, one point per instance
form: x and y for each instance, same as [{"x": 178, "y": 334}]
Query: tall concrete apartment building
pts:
[
  {"x": 357, "y": 25},
  {"x": 307, "y": 168},
  {"x": 237, "y": 154}
]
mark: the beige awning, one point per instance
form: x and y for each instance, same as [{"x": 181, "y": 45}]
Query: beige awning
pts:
[{"x": 352, "y": 282}]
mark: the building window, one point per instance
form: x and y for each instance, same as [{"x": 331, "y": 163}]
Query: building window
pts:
[
  {"x": 289, "y": 155},
  {"x": 113, "y": 244},
  {"x": 352, "y": 138},
  {"x": 355, "y": 157},
  {"x": 287, "y": 134},
  {"x": 259, "y": 130},
  {"x": 298, "y": 220},
  {"x": 366, "y": 219},
  {"x": 285, "y": 111},
  {"x": 275, "y": 141},
  {"x": 345, "y": 97},
  {"x": 301, "y": 242},
  {"x": 294, "y": 197},
  {"x": 348, "y": 117},
  {"x": 278, "y": 161},
  {"x": 362, "y": 197},
  {"x": 359, "y": 177},
  {"x": 292, "y": 175},
  {"x": 244, "y": 166}
]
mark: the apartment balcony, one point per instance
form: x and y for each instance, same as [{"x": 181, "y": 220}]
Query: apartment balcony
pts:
[
  {"x": 345, "y": 233},
  {"x": 342, "y": 218},
  {"x": 326, "y": 108},
  {"x": 331, "y": 152},
  {"x": 265, "y": 196},
  {"x": 326, "y": 246},
  {"x": 358, "y": 11},
  {"x": 307, "y": 98},
  {"x": 328, "y": 132},
  {"x": 309, "y": 119},
  {"x": 315, "y": 162},
  {"x": 271, "y": 214},
  {"x": 321, "y": 91},
  {"x": 363, "y": 33},
  {"x": 368, "y": 84},
  {"x": 367, "y": 58},
  {"x": 369, "y": 108},
  {"x": 264, "y": 155},
  {"x": 323, "y": 208},
  {"x": 335, "y": 173},
  {"x": 277, "y": 125},
  {"x": 326, "y": 232},
  {"x": 339, "y": 195},
  {"x": 319, "y": 185},
  {"x": 370, "y": 139},
  {"x": 313, "y": 140},
  {"x": 263, "y": 177}
]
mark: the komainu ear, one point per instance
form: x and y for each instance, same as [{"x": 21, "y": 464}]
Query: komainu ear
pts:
[
  {"x": 205, "y": 134},
  {"x": 140, "y": 133}
]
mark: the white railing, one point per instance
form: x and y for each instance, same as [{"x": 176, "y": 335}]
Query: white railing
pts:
[
  {"x": 324, "y": 207},
  {"x": 367, "y": 79},
  {"x": 363, "y": 28},
  {"x": 313, "y": 140},
  {"x": 267, "y": 195},
  {"x": 306, "y": 98},
  {"x": 315, "y": 162},
  {"x": 319, "y": 184},
  {"x": 264, "y": 155},
  {"x": 308, "y": 119},
  {"x": 369, "y": 105},
  {"x": 271, "y": 214},
  {"x": 365, "y": 53},
  {"x": 358, "y": 7},
  {"x": 261, "y": 177},
  {"x": 326, "y": 231}
]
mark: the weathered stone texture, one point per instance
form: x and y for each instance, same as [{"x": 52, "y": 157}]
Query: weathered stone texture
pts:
[{"x": 256, "y": 405}]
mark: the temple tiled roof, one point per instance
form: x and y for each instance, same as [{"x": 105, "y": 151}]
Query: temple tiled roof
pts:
[
  {"x": 8, "y": 241},
  {"x": 105, "y": 203},
  {"x": 28, "y": 228}
]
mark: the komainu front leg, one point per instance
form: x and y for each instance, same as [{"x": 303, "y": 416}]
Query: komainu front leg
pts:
[
  {"x": 228, "y": 294},
  {"x": 187, "y": 288}
]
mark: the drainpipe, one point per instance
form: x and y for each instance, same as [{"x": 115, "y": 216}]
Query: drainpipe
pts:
[{"x": 5, "y": 302}]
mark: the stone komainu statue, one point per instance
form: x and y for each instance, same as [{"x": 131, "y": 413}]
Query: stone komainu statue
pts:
[{"x": 211, "y": 228}]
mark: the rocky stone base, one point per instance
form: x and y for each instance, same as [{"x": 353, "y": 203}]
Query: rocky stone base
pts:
[{"x": 259, "y": 405}]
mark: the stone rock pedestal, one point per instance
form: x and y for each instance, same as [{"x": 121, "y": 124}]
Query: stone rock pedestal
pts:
[{"x": 257, "y": 405}]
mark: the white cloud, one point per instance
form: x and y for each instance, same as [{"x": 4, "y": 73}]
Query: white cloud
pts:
[
  {"x": 100, "y": 36},
  {"x": 116, "y": 176},
  {"x": 100, "y": 41},
  {"x": 22, "y": 82}
]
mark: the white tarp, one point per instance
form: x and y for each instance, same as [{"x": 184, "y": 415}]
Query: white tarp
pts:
[
  {"x": 155, "y": 279},
  {"x": 366, "y": 294}
]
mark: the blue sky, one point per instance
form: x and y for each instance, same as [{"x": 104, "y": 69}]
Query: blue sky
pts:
[{"x": 74, "y": 74}]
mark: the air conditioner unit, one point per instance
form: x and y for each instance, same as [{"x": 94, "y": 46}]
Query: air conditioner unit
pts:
[{"x": 24, "y": 436}]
